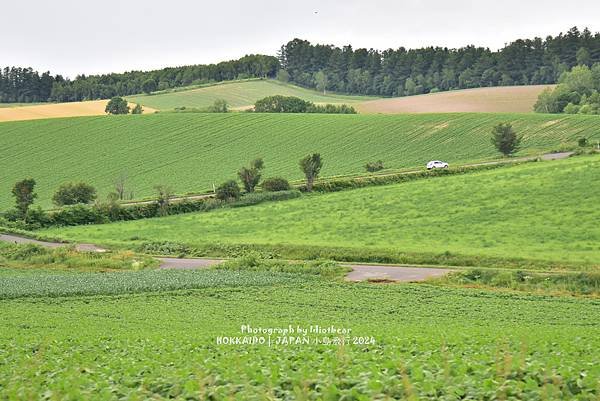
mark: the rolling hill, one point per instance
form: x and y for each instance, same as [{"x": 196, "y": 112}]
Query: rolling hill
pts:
[
  {"x": 239, "y": 95},
  {"x": 191, "y": 152},
  {"x": 40, "y": 111},
  {"x": 532, "y": 211},
  {"x": 242, "y": 95},
  {"x": 503, "y": 99}
]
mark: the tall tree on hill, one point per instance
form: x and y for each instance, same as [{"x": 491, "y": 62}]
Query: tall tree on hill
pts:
[
  {"x": 311, "y": 167},
  {"x": 117, "y": 105},
  {"x": 250, "y": 176},
  {"x": 505, "y": 139},
  {"x": 24, "y": 194}
]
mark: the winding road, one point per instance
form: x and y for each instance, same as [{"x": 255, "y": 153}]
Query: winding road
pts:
[{"x": 359, "y": 272}]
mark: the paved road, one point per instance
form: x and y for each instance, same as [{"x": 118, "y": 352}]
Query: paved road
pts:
[
  {"x": 187, "y": 264},
  {"x": 359, "y": 272},
  {"x": 557, "y": 156},
  {"x": 394, "y": 273}
]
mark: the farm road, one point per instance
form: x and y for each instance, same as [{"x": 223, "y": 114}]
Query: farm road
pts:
[{"x": 358, "y": 273}]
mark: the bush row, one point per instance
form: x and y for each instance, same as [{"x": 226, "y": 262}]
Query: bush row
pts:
[
  {"x": 586, "y": 283},
  {"x": 109, "y": 212}
]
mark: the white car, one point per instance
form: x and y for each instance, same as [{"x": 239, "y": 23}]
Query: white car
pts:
[{"x": 436, "y": 164}]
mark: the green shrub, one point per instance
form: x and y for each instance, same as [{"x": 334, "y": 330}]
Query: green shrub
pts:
[
  {"x": 374, "y": 166},
  {"x": 78, "y": 215},
  {"x": 256, "y": 198},
  {"x": 276, "y": 184},
  {"x": 73, "y": 194},
  {"x": 581, "y": 283},
  {"x": 255, "y": 261},
  {"x": 582, "y": 142},
  {"x": 163, "y": 248},
  {"x": 331, "y": 109},
  {"x": 22, "y": 252},
  {"x": 281, "y": 104},
  {"x": 117, "y": 105},
  {"x": 219, "y": 106},
  {"x": 37, "y": 218},
  {"x": 228, "y": 190}
]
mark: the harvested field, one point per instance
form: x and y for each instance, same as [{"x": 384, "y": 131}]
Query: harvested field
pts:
[
  {"x": 57, "y": 110},
  {"x": 506, "y": 99}
]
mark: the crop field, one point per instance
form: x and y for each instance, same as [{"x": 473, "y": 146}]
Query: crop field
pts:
[
  {"x": 503, "y": 99},
  {"x": 9, "y": 105},
  {"x": 55, "y": 110},
  {"x": 406, "y": 342},
  {"x": 238, "y": 95},
  {"x": 191, "y": 152},
  {"x": 538, "y": 211},
  {"x": 22, "y": 283}
]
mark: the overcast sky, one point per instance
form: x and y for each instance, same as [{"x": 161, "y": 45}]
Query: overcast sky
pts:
[{"x": 90, "y": 36}]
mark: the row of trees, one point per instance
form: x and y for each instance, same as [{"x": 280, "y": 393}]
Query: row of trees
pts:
[
  {"x": 400, "y": 72},
  {"x": 393, "y": 72},
  {"x": 250, "y": 177},
  {"x": 578, "y": 92},
  {"x": 82, "y": 193},
  {"x": 25, "y": 85}
]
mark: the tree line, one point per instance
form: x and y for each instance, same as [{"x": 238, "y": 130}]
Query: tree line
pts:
[
  {"x": 391, "y": 72},
  {"x": 26, "y": 85},
  {"x": 403, "y": 72}
]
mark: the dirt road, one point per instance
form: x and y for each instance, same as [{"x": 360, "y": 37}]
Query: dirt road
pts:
[
  {"x": 358, "y": 273},
  {"x": 394, "y": 273}
]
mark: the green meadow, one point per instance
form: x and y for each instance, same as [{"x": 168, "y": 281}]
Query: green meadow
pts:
[
  {"x": 539, "y": 211},
  {"x": 238, "y": 95},
  {"x": 191, "y": 152}
]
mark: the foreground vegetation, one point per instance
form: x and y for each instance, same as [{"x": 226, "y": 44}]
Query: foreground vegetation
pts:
[
  {"x": 205, "y": 149},
  {"x": 581, "y": 283},
  {"x": 66, "y": 259},
  {"x": 536, "y": 211},
  {"x": 419, "y": 342}
]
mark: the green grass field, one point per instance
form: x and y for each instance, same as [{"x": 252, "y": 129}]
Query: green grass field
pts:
[
  {"x": 190, "y": 152},
  {"x": 539, "y": 211},
  {"x": 238, "y": 95},
  {"x": 422, "y": 342}
]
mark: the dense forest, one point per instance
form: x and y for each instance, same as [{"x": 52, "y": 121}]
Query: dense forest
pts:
[
  {"x": 403, "y": 72},
  {"x": 578, "y": 92},
  {"x": 393, "y": 72},
  {"x": 25, "y": 85}
]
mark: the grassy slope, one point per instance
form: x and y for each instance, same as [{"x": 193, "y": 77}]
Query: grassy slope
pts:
[
  {"x": 542, "y": 211},
  {"x": 238, "y": 95},
  {"x": 503, "y": 99},
  {"x": 436, "y": 341},
  {"x": 190, "y": 152}
]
